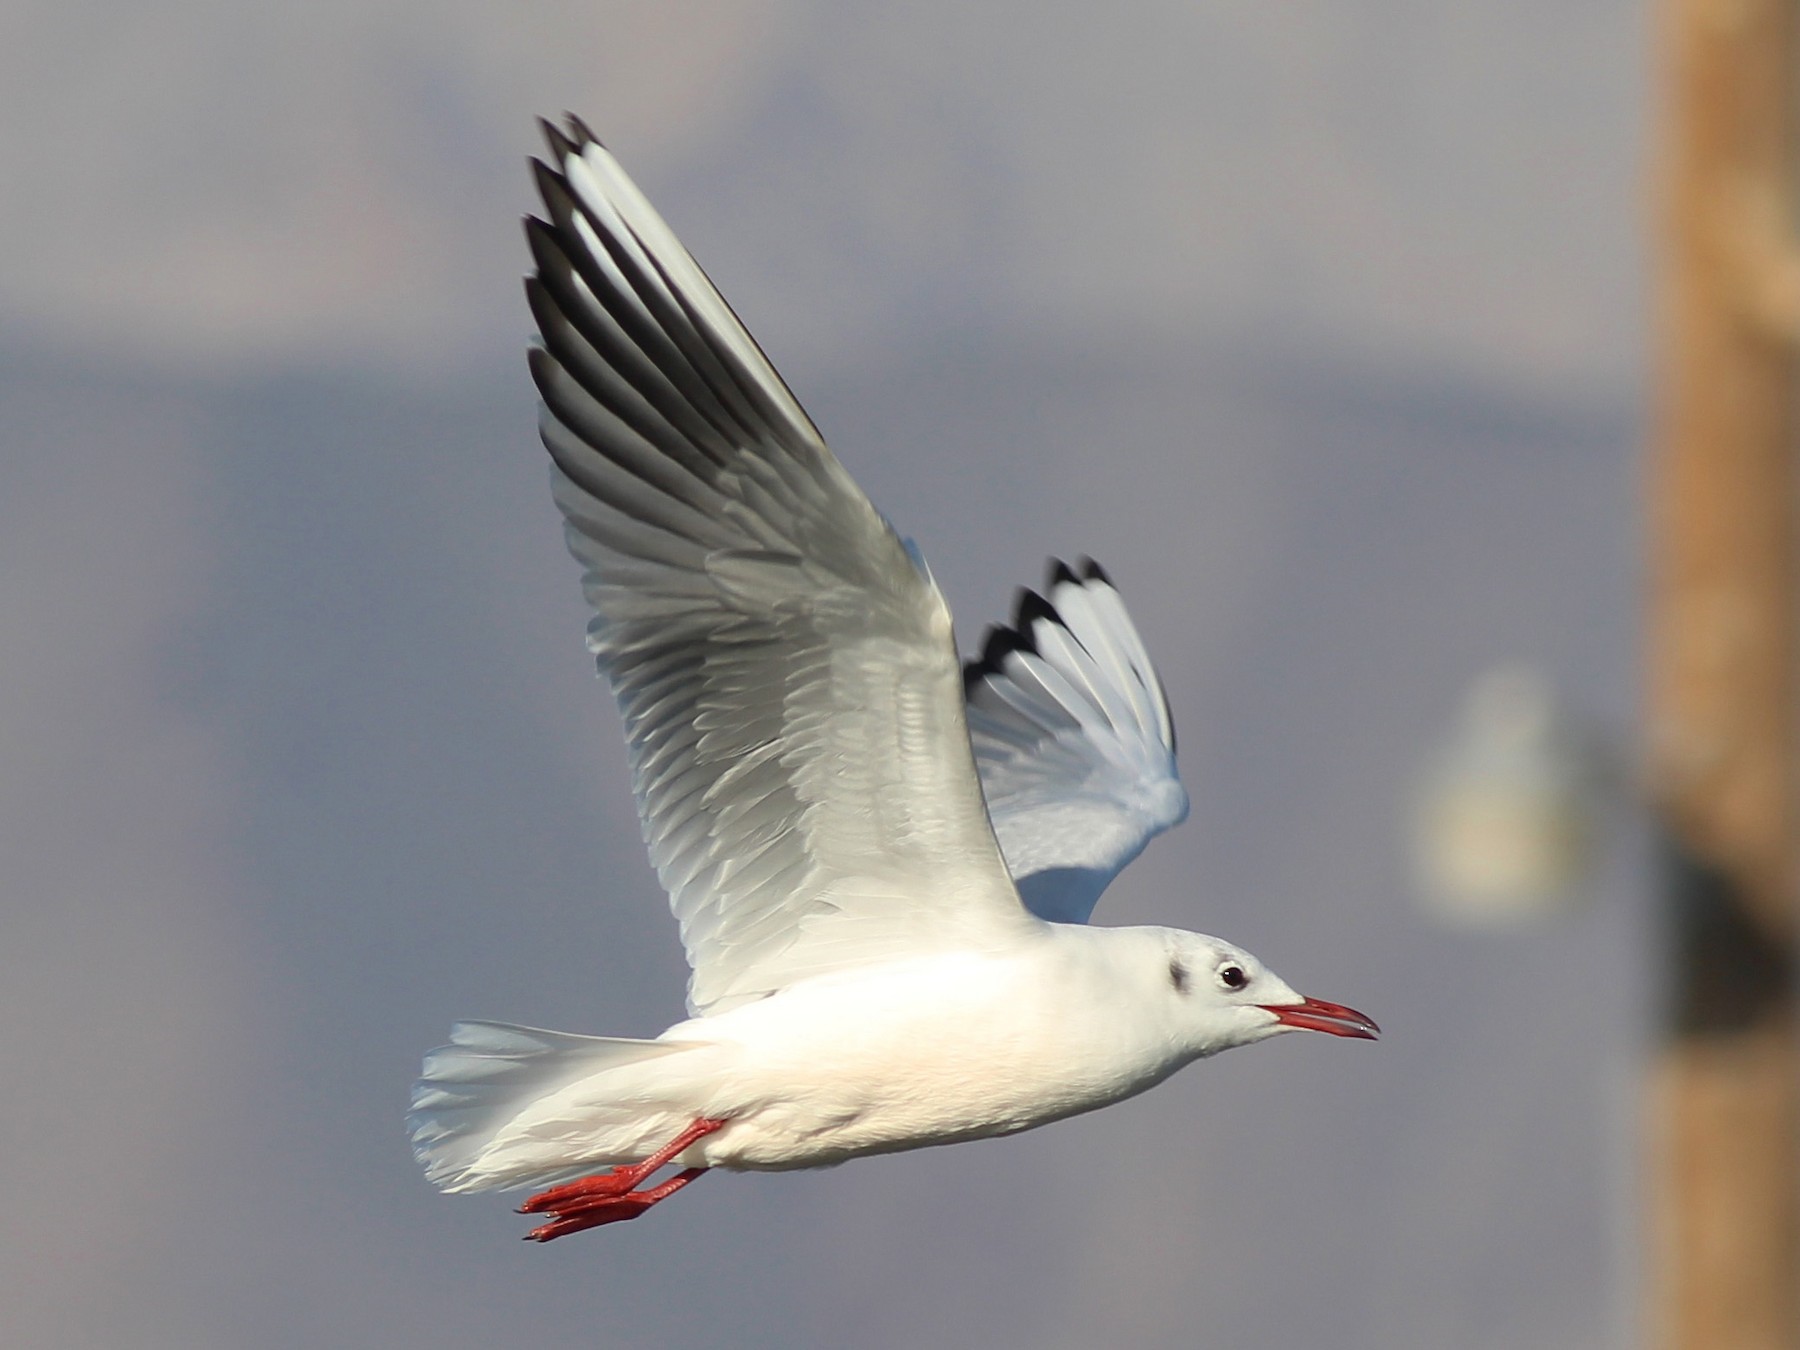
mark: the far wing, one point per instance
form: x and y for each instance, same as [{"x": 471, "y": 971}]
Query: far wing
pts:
[
  {"x": 787, "y": 675},
  {"x": 1074, "y": 742}
]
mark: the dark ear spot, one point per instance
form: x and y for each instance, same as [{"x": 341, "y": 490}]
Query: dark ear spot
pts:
[{"x": 1178, "y": 975}]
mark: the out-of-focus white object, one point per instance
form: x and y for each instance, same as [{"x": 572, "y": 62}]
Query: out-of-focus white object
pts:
[{"x": 1503, "y": 825}]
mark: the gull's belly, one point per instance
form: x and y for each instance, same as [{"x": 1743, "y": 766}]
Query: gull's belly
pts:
[{"x": 927, "y": 1053}]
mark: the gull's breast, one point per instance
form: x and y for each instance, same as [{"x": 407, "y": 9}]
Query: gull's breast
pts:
[{"x": 926, "y": 1051}]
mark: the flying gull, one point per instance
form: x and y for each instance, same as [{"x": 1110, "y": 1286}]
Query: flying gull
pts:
[{"x": 882, "y": 863}]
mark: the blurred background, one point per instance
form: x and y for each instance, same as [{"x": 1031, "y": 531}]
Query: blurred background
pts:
[{"x": 1322, "y": 326}]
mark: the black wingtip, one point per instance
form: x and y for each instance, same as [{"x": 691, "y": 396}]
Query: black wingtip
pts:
[
  {"x": 582, "y": 130},
  {"x": 550, "y": 184},
  {"x": 1030, "y": 608},
  {"x": 1003, "y": 640},
  {"x": 560, "y": 144},
  {"x": 541, "y": 241},
  {"x": 999, "y": 643},
  {"x": 1085, "y": 570}
]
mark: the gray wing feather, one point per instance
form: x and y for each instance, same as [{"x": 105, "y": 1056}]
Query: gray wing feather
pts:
[
  {"x": 786, "y": 674},
  {"x": 1074, "y": 742}
]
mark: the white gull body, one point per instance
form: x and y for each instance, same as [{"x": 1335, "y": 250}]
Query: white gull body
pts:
[{"x": 882, "y": 863}]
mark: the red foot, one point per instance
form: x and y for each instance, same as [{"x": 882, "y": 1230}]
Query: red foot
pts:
[
  {"x": 580, "y": 1214},
  {"x": 611, "y": 1196}
]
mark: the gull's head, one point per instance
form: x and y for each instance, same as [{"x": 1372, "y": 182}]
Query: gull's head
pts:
[{"x": 1223, "y": 996}]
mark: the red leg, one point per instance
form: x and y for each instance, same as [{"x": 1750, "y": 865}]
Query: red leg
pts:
[
  {"x": 611, "y": 1197},
  {"x": 592, "y": 1213},
  {"x": 617, "y": 1181}
]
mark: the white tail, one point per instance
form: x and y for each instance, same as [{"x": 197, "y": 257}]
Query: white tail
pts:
[{"x": 473, "y": 1088}]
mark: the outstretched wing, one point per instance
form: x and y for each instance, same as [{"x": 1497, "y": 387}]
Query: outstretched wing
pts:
[
  {"x": 1074, "y": 742},
  {"x": 787, "y": 675}
]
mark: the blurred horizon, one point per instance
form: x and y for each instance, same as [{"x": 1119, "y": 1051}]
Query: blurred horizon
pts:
[{"x": 1321, "y": 330}]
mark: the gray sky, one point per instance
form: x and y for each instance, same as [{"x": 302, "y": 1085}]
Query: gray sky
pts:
[{"x": 1320, "y": 326}]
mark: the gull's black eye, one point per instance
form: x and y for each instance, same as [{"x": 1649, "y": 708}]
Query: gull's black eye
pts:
[{"x": 1233, "y": 977}]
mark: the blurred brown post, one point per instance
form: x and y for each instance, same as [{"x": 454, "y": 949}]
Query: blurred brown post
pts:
[{"x": 1724, "y": 1095}]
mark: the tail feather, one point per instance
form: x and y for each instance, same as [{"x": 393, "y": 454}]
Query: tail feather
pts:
[{"x": 472, "y": 1088}]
